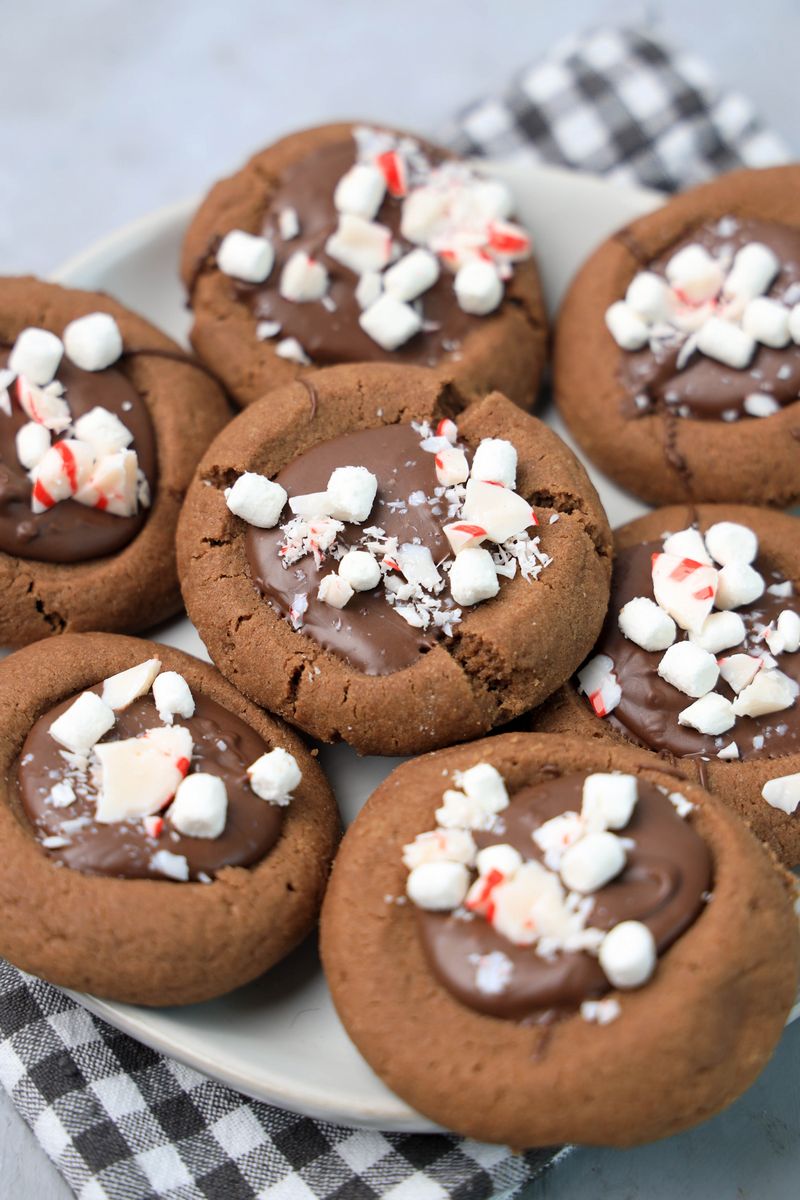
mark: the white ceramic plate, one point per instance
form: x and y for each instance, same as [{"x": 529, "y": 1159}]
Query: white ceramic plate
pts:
[{"x": 279, "y": 1039}]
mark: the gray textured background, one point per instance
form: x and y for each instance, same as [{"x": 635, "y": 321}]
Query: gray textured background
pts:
[{"x": 111, "y": 108}]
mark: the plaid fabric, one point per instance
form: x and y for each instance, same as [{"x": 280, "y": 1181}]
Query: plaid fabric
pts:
[
  {"x": 124, "y": 1123},
  {"x": 619, "y": 103}
]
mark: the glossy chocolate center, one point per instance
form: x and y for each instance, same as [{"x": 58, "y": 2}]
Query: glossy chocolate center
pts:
[
  {"x": 705, "y": 388},
  {"x": 668, "y": 871},
  {"x": 223, "y": 745},
  {"x": 70, "y": 532}
]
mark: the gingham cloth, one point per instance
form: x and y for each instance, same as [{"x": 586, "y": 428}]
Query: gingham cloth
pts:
[{"x": 124, "y": 1123}]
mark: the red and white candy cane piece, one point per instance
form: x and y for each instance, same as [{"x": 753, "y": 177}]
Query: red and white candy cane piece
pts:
[
  {"x": 153, "y": 826},
  {"x": 451, "y": 466},
  {"x": 447, "y": 429},
  {"x": 140, "y": 775},
  {"x": 685, "y": 589},
  {"x": 112, "y": 484},
  {"x": 462, "y": 535},
  {"x": 501, "y": 512},
  {"x": 42, "y": 406},
  {"x": 60, "y": 473},
  {"x": 599, "y": 684},
  {"x": 360, "y": 245},
  {"x": 480, "y": 895},
  {"x": 392, "y": 166},
  {"x": 509, "y": 240}
]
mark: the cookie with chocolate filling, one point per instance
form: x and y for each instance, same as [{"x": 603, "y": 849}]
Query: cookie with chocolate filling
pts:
[
  {"x": 376, "y": 573},
  {"x": 102, "y": 422},
  {"x": 346, "y": 244},
  {"x": 724, "y": 707},
  {"x": 677, "y": 360},
  {"x": 165, "y": 840},
  {"x": 536, "y": 940}
]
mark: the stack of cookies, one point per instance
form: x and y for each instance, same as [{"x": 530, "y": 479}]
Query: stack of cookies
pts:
[{"x": 385, "y": 548}]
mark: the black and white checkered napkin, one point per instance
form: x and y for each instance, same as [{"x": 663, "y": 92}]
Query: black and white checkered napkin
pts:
[{"x": 124, "y": 1123}]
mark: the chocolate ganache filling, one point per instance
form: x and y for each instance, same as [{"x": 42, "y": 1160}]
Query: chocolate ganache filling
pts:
[
  {"x": 648, "y": 709},
  {"x": 704, "y": 388},
  {"x": 329, "y": 332},
  {"x": 70, "y": 532},
  {"x": 368, "y": 633},
  {"x": 663, "y": 885},
  {"x": 223, "y": 746}
]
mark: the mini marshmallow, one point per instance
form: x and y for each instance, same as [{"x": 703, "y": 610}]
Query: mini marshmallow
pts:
[
  {"x": 200, "y": 807},
  {"x": 684, "y": 588},
  {"x": 440, "y": 845},
  {"x": 390, "y": 322},
  {"x": 36, "y": 355},
  {"x": 627, "y": 955},
  {"x": 139, "y": 775},
  {"x": 626, "y": 326},
  {"x": 451, "y": 466},
  {"x": 368, "y": 288},
  {"x": 783, "y": 792},
  {"x": 438, "y": 886},
  {"x": 501, "y": 858},
  {"x": 688, "y": 543},
  {"x": 794, "y": 323},
  {"x": 303, "y": 278},
  {"x": 788, "y": 626},
  {"x": 767, "y": 321},
  {"x": 649, "y": 297},
  {"x": 274, "y": 776},
  {"x": 93, "y": 342},
  {"x": 245, "y": 257},
  {"x": 644, "y": 623},
  {"x": 174, "y": 866},
  {"x": 288, "y": 224},
  {"x": 592, "y": 862},
  {"x": 711, "y": 714},
  {"x": 360, "y": 245},
  {"x": 360, "y": 191},
  {"x": 32, "y": 442},
  {"x": 83, "y": 724},
  {"x": 771, "y": 691},
  {"x": 257, "y": 500},
  {"x": 463, "y": 536},
  {"x": 103, "y": 431},
  {"x": 478, "y": 287},
  {"x": 739, "y": 670},
  {"x": 61, "y": 473},
  {"x": 459, "y": 811},
  {"x": 172, "y": 696},
  {"x": 609, "y": 800},
  {"x": 412, "y": 275},
  {"x": 122, "y": 689},
  {"x": 473, "y": 577},
  {"x": 498, "y": 510},
  {"x": 495, "y": 461},
  {"x": 600, "y": 685},
  {"x": 759, "y": 405},
  {"x": 729, "y": 542},
  {"x": 720, "y": 631},
  {"x": 729, "y": 753},
  {"x": 416, "y": 563},
  {"x": 689, "y": 669},
  {"x": 484, "y": 782},
  {"x": 360, "y": 570},
  {"x": 738, "y": 584},
  {"x": 335, "y": 591},
  {"x": 726, "y": 343},
  {"x": 754, "y": 268},
  {"x": 694, "y": 274},
  {"x": 351, "y": 492}
]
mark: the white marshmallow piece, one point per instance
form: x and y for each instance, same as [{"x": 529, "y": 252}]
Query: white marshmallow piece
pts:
[
  {"x": 438, "y": 886},
  {"x": 478, "y": 287},
  {"x": 738, "y": 584},
  {"x": 754, "y": 268},
  {"x": 103, "y": 431},
  {"x": 726, "y": 343},
  {"x": 32, "y": 442},
  {"x": 501, "y": 858},
  {"x": 788, "y": 626},
  {"x": 473, "y": 577},
  {"x": 61, "y": 473},
  {"x": 712, "y": 714},
  {"x": 368, "y": 288},
  {"x": 351, "y": 493},
  {"x": 451, "y": 466},
  {"x": 759, "y": 405},
  {"x": 720, "y": 631},
  {"x": 416, "y": 563},
  {"x": 767, "y": 321},
  {"x": 360, "y": 191},
  {"x": 390, "y": 322},
  {"x": 36, "y": 354},
  {"x": 360, "y": 570},
  {"x": 609, "y": 800},
  {"x": 739, "y": 670},
  {"x": 303, "y": 279},
  {"x": 174, "y": 866},
  {"x": 592, "y": 862},
  {"x": 484, "y": 783},
  {"x": 687, "y": 543},
  {"x": 173, "y": 697},
  {"x": 288, "y": 224},
  {"x": 628, "y": 955},
  {"x": 200, "y": 807},
  {"x": 93, "y": 342},
  {"x": 794, "y": 323},
  {"x": 245, "y": 257},
  {"x": 440, "y": 845},
  {"x": 83, "y": 724},
  {"x": 694, "y": 274},
  {"x": 257, "y": 500},
  {"x": 274, "y": 776},
  {"x": 771, "y": 691},
  {"x": 359, "y": 244},
  {"x": 139, "y": 775},
  {"x": 729, "y": 542},
  {"x": 122, "y": 689},
  {"x": 783, "y": 792},
  {"x": 495, "y": 461},
  {"x": 498, "y": 510},
  {"x": 412, "y": 275},
  {"x": 644, "y": 623},
  {"x": 335, "y": 591},
  {"x": 689, "y": 669},
  {"x": 649, "y": 297},
  {"x": 629, "y": 330},
  {"x": 684, "y": 588}
]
